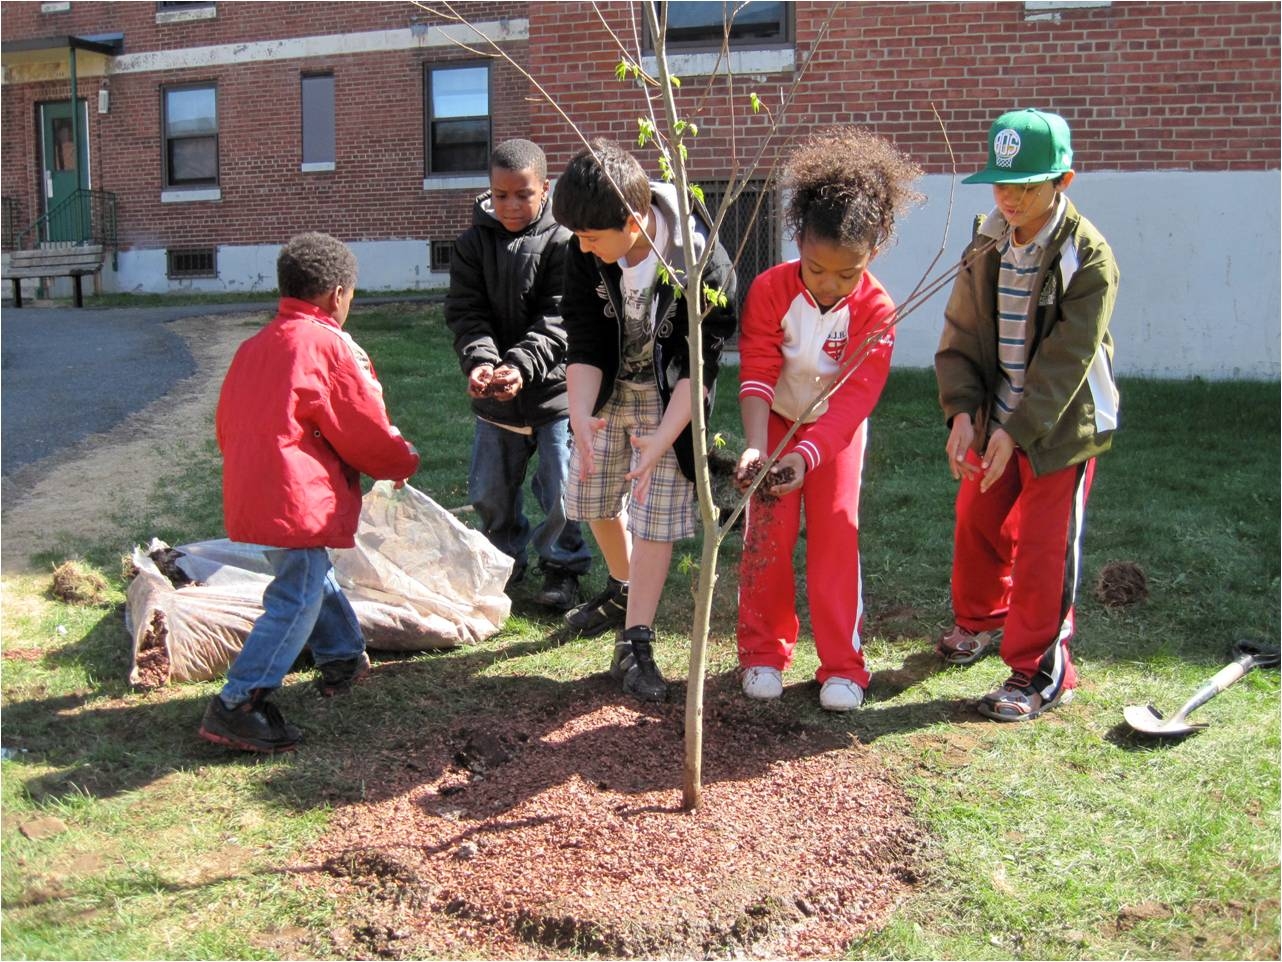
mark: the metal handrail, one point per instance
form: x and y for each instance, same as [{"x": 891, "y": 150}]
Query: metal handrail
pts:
[{"x": 85, "y": 217}]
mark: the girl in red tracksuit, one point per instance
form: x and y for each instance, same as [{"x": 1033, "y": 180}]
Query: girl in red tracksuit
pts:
[{"x": 804, "y": 325}]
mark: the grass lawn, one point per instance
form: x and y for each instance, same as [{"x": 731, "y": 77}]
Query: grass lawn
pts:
[{"x": 124, "y": 836}]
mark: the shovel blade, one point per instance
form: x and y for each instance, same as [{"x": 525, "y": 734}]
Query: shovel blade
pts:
[{"x": 1148, "y": 720}]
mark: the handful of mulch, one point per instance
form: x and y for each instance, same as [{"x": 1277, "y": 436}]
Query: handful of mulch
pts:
[
  {"x": 778, "y": 475},
  {"x": 1121, "y": 584}
]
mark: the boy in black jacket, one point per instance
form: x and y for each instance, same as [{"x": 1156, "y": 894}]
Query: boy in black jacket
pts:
[
  {"x": 504, "y": 309},
  {"x": 628, "y": 372}
]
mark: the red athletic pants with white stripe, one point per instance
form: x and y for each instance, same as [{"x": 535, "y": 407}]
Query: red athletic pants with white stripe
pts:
[
  {"x": 768, "y": 624},
  {"x": 1017, "y": 563}
]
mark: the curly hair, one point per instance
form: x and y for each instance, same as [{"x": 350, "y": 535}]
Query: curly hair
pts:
[
  {"x": 312, "y": 264},
  {"x": 846, "y": 185},
  {"x": 585, "y": 197}
]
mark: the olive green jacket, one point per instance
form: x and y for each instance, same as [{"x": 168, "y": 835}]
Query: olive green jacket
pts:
[{"x": 1070, "y": 404}]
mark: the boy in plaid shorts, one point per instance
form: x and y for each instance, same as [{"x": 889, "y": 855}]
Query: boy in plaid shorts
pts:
[{"x": 628, "y": 377}]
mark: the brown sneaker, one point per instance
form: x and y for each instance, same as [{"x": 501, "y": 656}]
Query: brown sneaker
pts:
[{"x": 961, "y": 647}]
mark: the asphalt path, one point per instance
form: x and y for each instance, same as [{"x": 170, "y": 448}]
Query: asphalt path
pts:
[{"x": 67, "y": 373}]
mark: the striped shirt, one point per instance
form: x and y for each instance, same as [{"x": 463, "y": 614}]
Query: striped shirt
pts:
[{"x": 1015, "y": 278}]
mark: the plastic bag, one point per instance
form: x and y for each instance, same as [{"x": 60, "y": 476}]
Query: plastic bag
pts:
[{"x": 418, "y": 579}]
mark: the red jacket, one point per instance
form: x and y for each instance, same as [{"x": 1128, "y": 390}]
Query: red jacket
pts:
[
  {"x": 789, "y": 353},
  {"x": 300, "y": 418}
]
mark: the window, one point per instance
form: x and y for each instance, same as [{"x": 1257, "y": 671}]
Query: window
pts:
[
  {"x": 199, "y": 262},
  {"x": 458, "y": 119},
  {"x": 191, "y": 136},
  {"x": 318, "y": 122},
  {"x": 440, "y": 255},
  {"x": 701, "y": 25},
  {"x": 1055, "y": 9}
]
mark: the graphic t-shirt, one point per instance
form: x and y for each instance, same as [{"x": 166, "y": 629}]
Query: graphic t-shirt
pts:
[{"x": 637, "y": 288}]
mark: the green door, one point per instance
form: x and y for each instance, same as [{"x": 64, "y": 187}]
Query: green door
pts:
[{"x": 65, "y": 170}]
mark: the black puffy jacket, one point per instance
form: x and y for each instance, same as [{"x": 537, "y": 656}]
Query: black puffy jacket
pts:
[{"x": 504, "y": 307}]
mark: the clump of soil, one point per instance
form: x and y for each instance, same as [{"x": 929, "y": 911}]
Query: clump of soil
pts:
[
  {"x": 1121, "y": 584},
  {"x": 78, "y": 584},
  {"x": 558, "y": 827}
]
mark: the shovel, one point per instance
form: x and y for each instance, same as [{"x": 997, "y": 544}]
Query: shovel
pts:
[{"x": 1247, "y": 655}]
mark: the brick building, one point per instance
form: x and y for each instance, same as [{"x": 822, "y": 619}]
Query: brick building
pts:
[{"x": 219, "y": 129}]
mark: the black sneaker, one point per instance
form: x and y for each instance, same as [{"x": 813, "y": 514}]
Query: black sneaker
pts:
[
  {"x": 560, "y": 589},
  {"x": 252, "y": 726},
  {"x": 607, "y": 610},
  {"x": 623, "y": 659},
  {"x": 338, "y": 677},
  {"x": 643, "y": 678}
]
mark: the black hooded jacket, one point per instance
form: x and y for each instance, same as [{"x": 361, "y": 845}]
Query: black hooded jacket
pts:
[{"x": 504, "y": 307}]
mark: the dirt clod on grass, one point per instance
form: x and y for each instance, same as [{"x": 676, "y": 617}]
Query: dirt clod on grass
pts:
[
  {"x": 76, "y": 583},
  {"x": 1121, "y": 584},
  {"x": 533, "y": 832}
]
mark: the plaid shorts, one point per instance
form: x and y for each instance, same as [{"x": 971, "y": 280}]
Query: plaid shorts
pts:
[{"x": 668, "y": 513}]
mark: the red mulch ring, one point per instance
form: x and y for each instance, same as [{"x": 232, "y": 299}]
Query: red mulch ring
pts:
[{"x": 553, "y": 828}]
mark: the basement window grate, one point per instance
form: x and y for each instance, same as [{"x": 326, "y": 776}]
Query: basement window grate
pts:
[
  {"x": 441, "y": 255},
  {"x": 191, "y": 262}
]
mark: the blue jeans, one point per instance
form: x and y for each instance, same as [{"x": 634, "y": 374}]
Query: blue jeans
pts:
[
  {"x": 499, "y": 462},
  {"x": 302, "y": 607}
]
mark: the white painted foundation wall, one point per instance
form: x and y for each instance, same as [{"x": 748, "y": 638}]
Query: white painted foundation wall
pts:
[{"x": 1199, "y": 255}]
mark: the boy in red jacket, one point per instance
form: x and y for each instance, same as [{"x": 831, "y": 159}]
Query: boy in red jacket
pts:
[{"x": 300, "y": 418}]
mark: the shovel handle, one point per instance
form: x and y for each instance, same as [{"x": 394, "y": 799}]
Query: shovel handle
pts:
[{"x": 1223, "y": 678}]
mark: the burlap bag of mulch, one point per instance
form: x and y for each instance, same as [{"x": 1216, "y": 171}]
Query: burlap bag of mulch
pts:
[{"x": 418, "y": 579}]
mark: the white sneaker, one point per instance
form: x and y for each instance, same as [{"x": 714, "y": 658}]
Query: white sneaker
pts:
[
  {"x": 840, "y": 694},
  {"x": 763, "y": 683}
]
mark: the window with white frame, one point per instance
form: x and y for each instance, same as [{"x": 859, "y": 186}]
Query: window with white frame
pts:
[
  {"x": 318, "y": 122},
  {"x": 458, "y": 119},
  {"x": 191, "y": 136}
]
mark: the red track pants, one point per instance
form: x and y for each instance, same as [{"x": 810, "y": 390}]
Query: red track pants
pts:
[
  {"x": 1017, "y": 562},
  {"x": 768, "y": 624}
]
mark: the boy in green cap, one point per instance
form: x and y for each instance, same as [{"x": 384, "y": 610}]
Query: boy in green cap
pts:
[{"x": 1025, "y": 372}]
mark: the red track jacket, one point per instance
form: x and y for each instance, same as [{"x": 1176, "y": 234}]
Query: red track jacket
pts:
[{"x": 789, "y": 352}]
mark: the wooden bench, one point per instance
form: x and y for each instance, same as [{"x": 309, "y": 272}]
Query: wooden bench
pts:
[{"x": 73, "y": 262}]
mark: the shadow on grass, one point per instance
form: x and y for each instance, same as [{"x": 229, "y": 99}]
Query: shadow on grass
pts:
[{"x": 418, "y": 720}]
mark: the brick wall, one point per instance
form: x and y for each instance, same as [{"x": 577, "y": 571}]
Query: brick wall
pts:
[
  {"x": 376, "y": 190},
  {"x": 1145, "y": 86}
]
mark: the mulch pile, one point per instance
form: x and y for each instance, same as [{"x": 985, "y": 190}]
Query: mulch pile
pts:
[{"x": 559, "y": 828}]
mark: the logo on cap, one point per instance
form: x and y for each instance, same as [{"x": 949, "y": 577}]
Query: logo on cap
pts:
[{"x": 1006, "y": 147}]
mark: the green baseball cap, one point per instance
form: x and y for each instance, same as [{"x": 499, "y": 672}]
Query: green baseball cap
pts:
[{"x": 1026, "y": 147}]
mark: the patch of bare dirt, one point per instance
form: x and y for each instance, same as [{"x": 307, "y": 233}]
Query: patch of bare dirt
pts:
[
  {"x": 114, "y": 472},
  {"x": 555, "y": 831},
  {"x": 1121, "y": 584}
]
